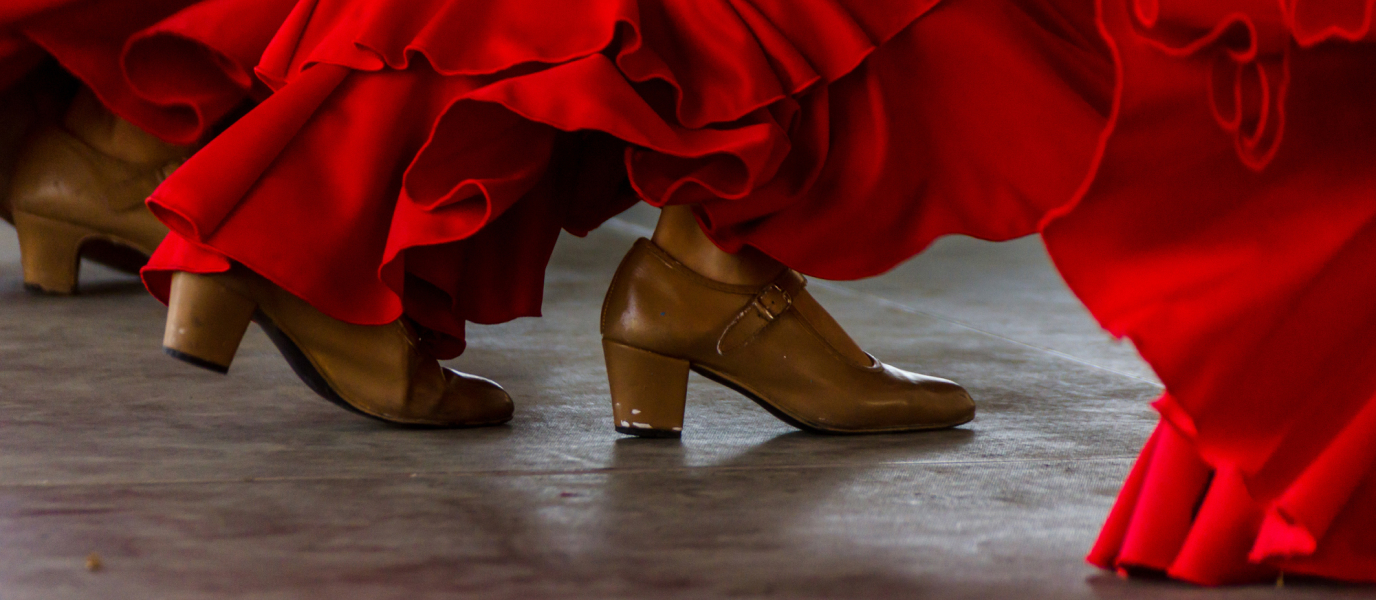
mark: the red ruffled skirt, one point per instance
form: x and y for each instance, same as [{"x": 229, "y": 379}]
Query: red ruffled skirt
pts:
[
  {"x": 1199, "y": 176},
  {"x": 437, "y": 148},
  {"x": 1230, "y": 231},
  {"x": 173, "y": 67}
]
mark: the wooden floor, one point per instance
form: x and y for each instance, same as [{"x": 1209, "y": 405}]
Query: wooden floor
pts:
[{"x": 185, "y": 484}]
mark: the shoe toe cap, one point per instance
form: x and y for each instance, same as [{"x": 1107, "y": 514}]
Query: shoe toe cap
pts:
[
  {"x": 470, "y": 401},
  {"x": 934, "y": 401}
]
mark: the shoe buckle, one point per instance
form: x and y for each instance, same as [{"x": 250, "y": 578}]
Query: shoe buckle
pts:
[{"x": 773, "y": 301}]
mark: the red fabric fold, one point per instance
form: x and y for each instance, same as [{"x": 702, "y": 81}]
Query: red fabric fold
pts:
[
  {"x": 541, "y": 119},
  {"x": 1318, "y": 21},
  {"x": 173, "y": 67},
  {"x": 1318, "y": 497},
  {"x": 1238, "y": 263}
]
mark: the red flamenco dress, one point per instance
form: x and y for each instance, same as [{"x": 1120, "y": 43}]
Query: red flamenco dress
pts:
[
  {"x": 1230, "y": 231},
  {"x": 173, "y": 67},
  {"x": 419, "y": 159}
]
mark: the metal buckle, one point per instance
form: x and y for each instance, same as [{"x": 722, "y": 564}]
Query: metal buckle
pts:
[{"x": 762, "y": 306}]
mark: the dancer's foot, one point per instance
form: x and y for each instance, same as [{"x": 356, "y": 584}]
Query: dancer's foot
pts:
[
  {"x": 78, "y": 189},
  {"x": 749, "y": 325},
  {"x": 377, "y": 371}
]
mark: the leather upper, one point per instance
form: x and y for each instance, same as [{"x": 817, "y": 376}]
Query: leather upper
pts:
[{"x": 774, "y": 343}]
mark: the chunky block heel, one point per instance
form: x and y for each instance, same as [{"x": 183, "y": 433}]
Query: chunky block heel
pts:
[
  {"x": 648, "y": 391},
  {"x": 50, "y": 251},
  {"x": 205, "y": 321}
]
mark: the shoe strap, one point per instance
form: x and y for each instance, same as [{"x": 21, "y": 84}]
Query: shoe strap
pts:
[{"x": 766, "y": 306}]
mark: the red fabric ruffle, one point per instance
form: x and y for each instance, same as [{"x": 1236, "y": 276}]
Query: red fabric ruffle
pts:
[
  {"x": 727, "y": 104},
  {"x": 172, "y": 67},
  {"x": 1229, "y": 231},
  {"x": 1179, "y": 515},
  {"x": 1317, "y": 21},
  {"x": 331, "y": 149}
]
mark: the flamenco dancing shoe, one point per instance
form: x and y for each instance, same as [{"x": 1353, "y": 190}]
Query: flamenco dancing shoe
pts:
[
  {"x": 376, "y": 371},
  {"x": 78, "y": 189},
  {"x": 770, "y": 341}
]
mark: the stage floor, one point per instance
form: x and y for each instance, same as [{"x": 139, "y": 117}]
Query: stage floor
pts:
[{"x": 187, "y": 484}]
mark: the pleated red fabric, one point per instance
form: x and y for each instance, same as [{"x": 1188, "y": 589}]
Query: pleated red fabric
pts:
[
  {"x": 1230, "y": 231},
  {"x": 1198, "y": 170},
  {"x": 172, "y": 67}
]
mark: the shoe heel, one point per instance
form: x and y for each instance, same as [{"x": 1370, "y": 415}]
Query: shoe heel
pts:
[
  {"x": 50, "y": 251},
  {"x": 205, "y": 321},
  {"x": 648, "y": 391}
]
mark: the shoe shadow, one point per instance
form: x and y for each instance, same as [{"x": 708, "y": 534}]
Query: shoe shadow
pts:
[
  {"x": 760, "y": 522},
  {"x": 12, "y": 286}
]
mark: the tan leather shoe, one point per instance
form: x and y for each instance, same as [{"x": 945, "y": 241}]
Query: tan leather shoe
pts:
[
  {"x": 78, "y": 189},
  {"x": 773, "y": 343},
  {"x": 376, "y": 371}
]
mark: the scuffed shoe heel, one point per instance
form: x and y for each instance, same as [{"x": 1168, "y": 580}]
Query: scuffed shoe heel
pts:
[
  {"x": 205, "y": 321},
  {"x": 648, "y": 391}
]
